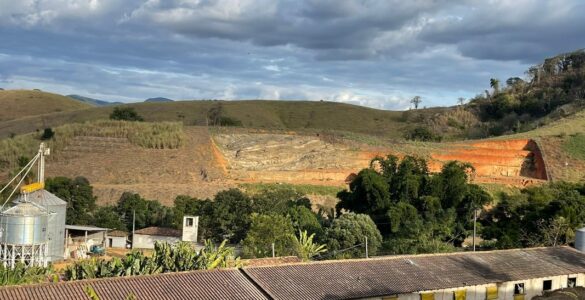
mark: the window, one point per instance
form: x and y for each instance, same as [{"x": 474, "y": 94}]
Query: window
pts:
[
  {"x": 491, "y": 292},
  {"x": 572, "y": 282},
  {"x": 547, "y": 285},
  {"x": 189, "y": 222},
  {"x": 519, "y": 289},
  {"x": 459, "y": 295}
]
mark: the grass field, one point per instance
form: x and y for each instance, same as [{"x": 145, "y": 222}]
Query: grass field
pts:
[
  {"x": 17, "y": 104},
  {"x": 574, "y": 145},
  {"x": 260, "y": 114}
]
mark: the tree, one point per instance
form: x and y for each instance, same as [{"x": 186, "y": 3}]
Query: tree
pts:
[
  {"x": 416, "y": 100},
  {"x": 461, "y": 101},
  {"x": 305, "y": 248},
  {"x": 231, "y": 215},
  {"x": 48, "y": 134},
  {"x": 303, "y": 219},
  {"x": 368, "y": 194},
  {"x": 108, "y": 217},
  {"x": 346, "y": 236},
  {"x": 145, "y": 212},
  {"x": 495, "y": 85},
  {"x": 79, "y": 196},
  {"x": 125, "y": 114},
  {"x": 266, "y": 230}
]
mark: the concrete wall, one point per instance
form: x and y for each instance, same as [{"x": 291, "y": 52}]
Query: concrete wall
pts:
[
  {"x": 190, "y": 232},
  {"x": 532, "y": 288},
  {"x": 117, "y": 242},
  {"x": 147, "y": 241}
]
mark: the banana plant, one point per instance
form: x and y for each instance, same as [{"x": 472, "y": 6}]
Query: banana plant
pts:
[{"x": 306, "y": 248}]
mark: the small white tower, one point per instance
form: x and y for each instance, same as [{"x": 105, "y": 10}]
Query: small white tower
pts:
[{"x": 190, "y": 227}]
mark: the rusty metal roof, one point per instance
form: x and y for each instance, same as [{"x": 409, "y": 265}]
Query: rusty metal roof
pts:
[
  {"x": 213, "y": 284},
  {"x": 406, "y": 274},
  {"x": 160, "y": 231}
]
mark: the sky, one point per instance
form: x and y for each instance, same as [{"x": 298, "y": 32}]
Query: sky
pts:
[{"x": 376, "y": 53}]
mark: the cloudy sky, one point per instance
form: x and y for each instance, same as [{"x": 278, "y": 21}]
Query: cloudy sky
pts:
[{"x": 377, "y": 53}]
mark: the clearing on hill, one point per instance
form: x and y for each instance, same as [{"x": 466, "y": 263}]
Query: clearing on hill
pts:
[{"x": 17, "y": 104}]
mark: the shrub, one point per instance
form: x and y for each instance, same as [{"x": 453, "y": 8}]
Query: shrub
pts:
[
  {"x": 48, "y": 134},
  {"x": 125, "y": 114}
]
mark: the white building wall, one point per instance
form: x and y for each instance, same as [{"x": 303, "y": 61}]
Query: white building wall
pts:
[
  {"x": 117, "y": 242},
  {"x": 532, "y": 288},
  {"x": 147, "y": 241},
  {"x": 190, "y": 230}
]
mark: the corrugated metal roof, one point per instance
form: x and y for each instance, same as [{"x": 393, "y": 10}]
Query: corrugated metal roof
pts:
[
  {"x": 214, "y": 284},
  {"x": 406, "y": 274},
  {"x": 25, "y": 209},
  {"x": 118, "y": 233},
  {"x": 341, "y": 279},
  {"x": 42, "y": 197},
  {"x": 85, "y": 228},
  {"x": 160, "y": 231}
]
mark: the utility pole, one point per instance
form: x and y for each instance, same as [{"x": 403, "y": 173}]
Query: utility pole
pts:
[
  {"x": 367, "y": 256},
  {"x": 273, "y": 254},
  {"x": 133, "y": 226},
  {"x": 474, "y": 226}
]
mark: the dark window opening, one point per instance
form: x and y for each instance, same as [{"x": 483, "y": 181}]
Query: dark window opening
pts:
[
  {"x": 189, "y": 222},
  {"x": 519, "y": 289},
  {"x": 572, "y": 282},
  {"x": 547, "y": 285}
]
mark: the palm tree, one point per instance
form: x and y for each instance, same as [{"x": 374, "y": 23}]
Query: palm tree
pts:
[{"x": 495, "y": 84}]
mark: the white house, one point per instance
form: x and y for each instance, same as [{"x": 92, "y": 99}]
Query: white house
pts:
[
  {"x": 145, "y": 238},
  {"x": 116, "y": 239}
]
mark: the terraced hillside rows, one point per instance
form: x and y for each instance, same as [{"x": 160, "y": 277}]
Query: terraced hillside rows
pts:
[{"x": 114, "y": 165}]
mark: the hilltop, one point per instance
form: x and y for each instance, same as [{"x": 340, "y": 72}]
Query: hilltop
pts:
[
  {"x": 92, "y": 101},
  {"x": 25, "y": 103},
  {"x": 260, "y": 114}
]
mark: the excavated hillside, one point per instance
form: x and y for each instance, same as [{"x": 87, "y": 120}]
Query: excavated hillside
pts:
[
  {"x": 206, "y": 163},
  {"x": 310, "y": 160}
]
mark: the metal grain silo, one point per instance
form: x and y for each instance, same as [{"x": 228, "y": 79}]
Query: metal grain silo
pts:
[
  {"x": 57, "y": 210},
  {"x": 23, "y": 235},
  {"x": 580, "y": 239}
]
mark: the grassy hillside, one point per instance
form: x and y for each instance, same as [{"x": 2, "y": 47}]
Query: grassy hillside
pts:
[
  {"x": 23, "y": 103},
  {"x": 281, "y": 115}
]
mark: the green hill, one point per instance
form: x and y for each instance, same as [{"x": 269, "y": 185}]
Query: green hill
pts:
[
  {"x": 261, "y": 114},
  {"x": 17, "y": 104}
]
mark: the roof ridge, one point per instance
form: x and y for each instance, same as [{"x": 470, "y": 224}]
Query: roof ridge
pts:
[{"x": 406, "y": 256}]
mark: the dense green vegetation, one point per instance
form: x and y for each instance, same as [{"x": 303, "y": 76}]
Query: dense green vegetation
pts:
[
  {"x": 125, "y": 114},
  {"x": 538, "y": 216},
  {"x": 166, "y": 258},
  {"x": 414, "y": 211},
  {"x": 23, "y": 275},
  {"x": 552, "y": 90}
]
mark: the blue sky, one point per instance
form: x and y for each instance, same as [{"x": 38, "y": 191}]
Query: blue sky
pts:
[{"x": 368, "y": 52}]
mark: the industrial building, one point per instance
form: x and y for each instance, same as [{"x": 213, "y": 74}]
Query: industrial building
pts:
[
  {"x": 505, "y": 274},
  {"x": 32, "y": 231}
]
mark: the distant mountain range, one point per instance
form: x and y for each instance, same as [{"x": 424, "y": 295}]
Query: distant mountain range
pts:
[
  {"x": 158, "y": 99},
  {"x": 98, "y": 102},
  {"x": 94, "y": 102}
]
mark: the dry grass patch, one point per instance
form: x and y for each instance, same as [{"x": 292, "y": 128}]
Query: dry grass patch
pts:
[{"x": 162, "y": 135}]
